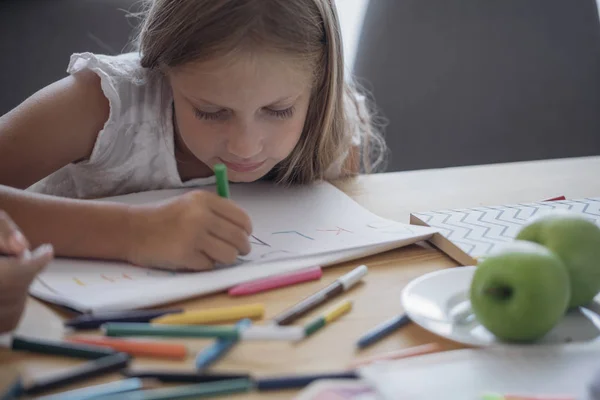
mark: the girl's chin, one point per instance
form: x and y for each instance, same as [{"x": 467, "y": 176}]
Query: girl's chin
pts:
[{"x": 245, "y": 177}]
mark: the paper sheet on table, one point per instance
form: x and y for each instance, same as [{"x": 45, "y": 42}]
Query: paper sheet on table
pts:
[
  {"x": 294, "y": 228},
  {"x": 338, "y": 389},
  {"x": 467, "y": 374}
]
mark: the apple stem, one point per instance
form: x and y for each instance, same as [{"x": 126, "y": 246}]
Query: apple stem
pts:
[{"x": 500, "y": 292}]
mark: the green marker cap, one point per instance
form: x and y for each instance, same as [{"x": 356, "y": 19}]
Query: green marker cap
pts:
[
  {"x": 222, "y": 181},
  {"x": 314, "y": 326}
]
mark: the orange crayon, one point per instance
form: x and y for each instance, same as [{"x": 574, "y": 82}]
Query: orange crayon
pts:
[{"x": 135, "y": 347}]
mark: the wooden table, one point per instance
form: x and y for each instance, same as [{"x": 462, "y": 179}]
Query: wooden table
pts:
[{"x": 390, "y": 195}]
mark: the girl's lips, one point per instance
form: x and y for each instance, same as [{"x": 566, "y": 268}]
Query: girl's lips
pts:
[{"x": 246, "y": 167}]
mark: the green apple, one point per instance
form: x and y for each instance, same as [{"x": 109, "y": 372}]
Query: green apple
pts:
[
  {"x": 520, "y": 292},
  {"x": 576, "y": 241}
]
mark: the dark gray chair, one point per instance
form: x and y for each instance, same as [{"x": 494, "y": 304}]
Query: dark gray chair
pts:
[
  {"x": 37, "y": 38},
  {"x": 466, "y": 82}
]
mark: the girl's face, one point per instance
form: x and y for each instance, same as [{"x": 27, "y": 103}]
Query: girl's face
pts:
[{"x": 246, "y": 111}]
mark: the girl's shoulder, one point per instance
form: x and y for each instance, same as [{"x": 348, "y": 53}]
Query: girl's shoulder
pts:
[
  {"x": 125, "y": 66},
  {"x": 134, "y": 149},
  {"x": 134, "y": 93}
]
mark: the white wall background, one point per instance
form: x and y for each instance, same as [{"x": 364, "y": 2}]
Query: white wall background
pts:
[{"x": 351, "y": 14}]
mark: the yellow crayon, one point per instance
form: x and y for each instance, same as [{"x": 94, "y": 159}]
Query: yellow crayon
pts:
[
  {"x": 337, "y": 311},
  {"x": 212, "y": 315}
]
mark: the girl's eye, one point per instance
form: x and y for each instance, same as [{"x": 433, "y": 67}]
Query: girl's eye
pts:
[
  {"x": 211, "y": 116},
  {"x": 281, "y": 114}
]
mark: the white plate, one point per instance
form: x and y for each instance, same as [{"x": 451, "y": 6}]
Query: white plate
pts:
[{"x": 438, "y": 302}]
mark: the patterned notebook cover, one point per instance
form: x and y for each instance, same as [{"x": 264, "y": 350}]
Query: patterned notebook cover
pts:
[{"x": 469, "y": 233}]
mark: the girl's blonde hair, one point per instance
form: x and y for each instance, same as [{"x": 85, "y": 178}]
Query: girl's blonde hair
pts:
[{"x": 176, "y": 32}]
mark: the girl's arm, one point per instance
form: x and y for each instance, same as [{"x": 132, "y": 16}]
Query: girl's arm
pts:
[
  {"x": 59, "y": 125},
  {"x": 56, "y": 126},
  {"x": 76, "y": 228}
]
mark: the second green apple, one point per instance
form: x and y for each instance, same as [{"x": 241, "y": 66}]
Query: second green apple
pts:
[{"x": 576, "y": 241}]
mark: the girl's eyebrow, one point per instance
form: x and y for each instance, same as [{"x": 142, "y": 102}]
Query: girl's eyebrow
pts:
[
  {"x": 197, "y": 100},
  {"x": 284, "y": 99}
]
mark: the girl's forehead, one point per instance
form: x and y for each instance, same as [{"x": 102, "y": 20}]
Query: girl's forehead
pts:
[
  {"x": 257, "y": 75},
  {"x": 250, "y": 65}
]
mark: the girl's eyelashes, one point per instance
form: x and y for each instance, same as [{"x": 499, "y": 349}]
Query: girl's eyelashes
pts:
[
  {"x": 281, "y": 114},
  {"x": 211, "y": 116},
  {"x": 222, "y": 115}
]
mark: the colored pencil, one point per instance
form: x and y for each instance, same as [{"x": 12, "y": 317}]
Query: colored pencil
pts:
[
  {"x": 398, "y": 354},
  {"x": 174, "y": 376},
  {"x": 194, "y": 391},
  {"x": 276, "y": 282},
  {"x": 94, "y": 321},
  {"x": 211, "y": 354},
  {"x": 263, "y": 332},
  {"x": 298, "y": 381},
  {"x": 143, "y": 329},
  {"x": 139, "y": 348},
  {"x": 383, "y": 330},
  {"x": 213, "y": 315},
  {"x": 87, "y": 370},
  {"x": 97, "y": 391},
  {"x": 60, "y": 348}
]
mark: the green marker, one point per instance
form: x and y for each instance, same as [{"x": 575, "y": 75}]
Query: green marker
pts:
[
  {"x": 222, "y": 181},
  {"x": 180, "y": 331}
]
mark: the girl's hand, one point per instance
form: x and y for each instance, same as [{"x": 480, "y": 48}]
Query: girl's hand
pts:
[
  {"x": 17, "y": 270},
  {"x": 190, "y": 232}
]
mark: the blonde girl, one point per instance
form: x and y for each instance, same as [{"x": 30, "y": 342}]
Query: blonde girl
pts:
[{"x": 255, "y": 84}]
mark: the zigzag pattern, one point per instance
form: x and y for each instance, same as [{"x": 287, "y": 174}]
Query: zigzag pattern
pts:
[{"x": 477, "y": 230}]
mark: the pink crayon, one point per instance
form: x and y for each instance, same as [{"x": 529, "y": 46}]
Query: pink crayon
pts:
[{"x": 277, "y": 281}]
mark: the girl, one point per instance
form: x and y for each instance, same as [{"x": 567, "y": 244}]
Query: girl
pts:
[
  {"x": 255, "y": 84},
  {"x": 17, "y": 271}
]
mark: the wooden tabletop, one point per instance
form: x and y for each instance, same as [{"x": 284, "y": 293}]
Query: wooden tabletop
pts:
[{"x": 390, "y": 195}]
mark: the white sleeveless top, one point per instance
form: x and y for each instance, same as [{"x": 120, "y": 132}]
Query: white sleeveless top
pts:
[{"x": 134, "y": 151}]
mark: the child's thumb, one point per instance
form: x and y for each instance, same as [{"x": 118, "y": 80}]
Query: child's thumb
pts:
[{"x": 35, "y": 261}]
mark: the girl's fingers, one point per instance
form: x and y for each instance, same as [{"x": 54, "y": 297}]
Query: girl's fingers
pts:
[
  {"x": 229, "y": 233},
  {"x": 33, "y": 262},
  {"x": 17, "y": 273},
  {"x": 197, "y": 260},
  {"x": 18, "y": 243},
  {"x": 220, "y": 251},
  {"x": 12, "y": 240}
]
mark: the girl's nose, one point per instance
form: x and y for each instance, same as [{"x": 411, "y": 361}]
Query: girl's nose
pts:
[{"x": 245, "y": 144}]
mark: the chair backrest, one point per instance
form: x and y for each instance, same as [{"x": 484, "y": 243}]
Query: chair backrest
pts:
[
  {"x": 37, "y": 37},
  {"x": 465, "y": 82}
]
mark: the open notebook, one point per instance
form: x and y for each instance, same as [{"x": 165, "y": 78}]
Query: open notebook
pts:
[
  {"x": 557, "y": 370},
  {"x": 468, "y": 233},
  {"x": 294, "y": 228}
]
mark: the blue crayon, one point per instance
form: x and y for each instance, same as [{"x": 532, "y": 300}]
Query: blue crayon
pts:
[
  {"x": 93, "y": 392},
  {"x": 220, "y": 347},
  {"x": 381, "y": 331},
  {"x": 13, "y": 391}
]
